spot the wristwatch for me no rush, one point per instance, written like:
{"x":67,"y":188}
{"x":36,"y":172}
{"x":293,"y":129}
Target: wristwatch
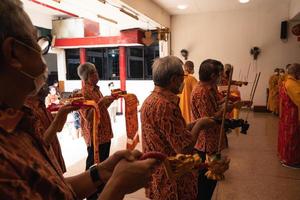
{"x":95,"y":174}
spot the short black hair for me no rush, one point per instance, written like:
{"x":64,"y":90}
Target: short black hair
{"x":209,"y":67}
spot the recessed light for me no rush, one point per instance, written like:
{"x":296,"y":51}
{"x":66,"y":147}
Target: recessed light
{"x":244,"y":1}
{"x":182,"y":7}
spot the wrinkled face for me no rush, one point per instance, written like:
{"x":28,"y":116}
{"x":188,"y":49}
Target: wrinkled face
{"x":23,"y":64}
{"x":93,"y":78}
{"x":177,"y":83}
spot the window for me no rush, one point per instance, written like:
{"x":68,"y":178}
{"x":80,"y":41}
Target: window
{"x":72,"y":62}
{"x":135,"y":63}
{"x":106,"y":61}
{"x":140,"y":60}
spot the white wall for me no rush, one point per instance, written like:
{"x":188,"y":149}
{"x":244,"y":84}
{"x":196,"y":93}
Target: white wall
{"x":228,"y":37}
{"x":294,"y":8}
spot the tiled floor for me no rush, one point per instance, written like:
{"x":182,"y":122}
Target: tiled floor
{"x":255,"y":172}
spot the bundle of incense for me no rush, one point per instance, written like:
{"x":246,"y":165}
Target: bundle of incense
{"x":176,"y":166}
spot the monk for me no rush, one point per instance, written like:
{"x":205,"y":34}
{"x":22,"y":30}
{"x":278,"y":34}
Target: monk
{"x":273,"y":104}
{"x":165,"y":130}
{"x":185,"y":97}
{"x":289,"y":119}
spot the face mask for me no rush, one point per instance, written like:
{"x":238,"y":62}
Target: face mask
{"x":38,"y":81}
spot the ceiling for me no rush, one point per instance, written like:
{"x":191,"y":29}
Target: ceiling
{"x":90,"y":9}
{"x":198,"y":6}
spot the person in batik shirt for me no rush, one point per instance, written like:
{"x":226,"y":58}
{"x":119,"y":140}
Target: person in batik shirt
{"x":165,"y":130}
{"x":206,"y":103}
{"x":90,"y":91}
{"x":28,"y":170}
{"x":43,"y":121}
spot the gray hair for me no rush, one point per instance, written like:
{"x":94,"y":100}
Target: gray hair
{"x":164,"y":68}
{"x":294,"y":69}
{"x":14,"y":21}
{"x":85,"y":69}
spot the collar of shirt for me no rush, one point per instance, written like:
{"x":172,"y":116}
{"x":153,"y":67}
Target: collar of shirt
{"x":10,"y":118}
{"x":167,"y":94}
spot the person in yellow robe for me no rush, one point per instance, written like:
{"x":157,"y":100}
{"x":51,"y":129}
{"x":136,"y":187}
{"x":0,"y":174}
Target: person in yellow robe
{"x":273,"y":103}
{"x":185,"y":97}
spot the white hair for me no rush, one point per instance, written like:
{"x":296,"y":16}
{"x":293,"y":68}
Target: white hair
{"x":14,"y":21}
{"x":85,"y":69}
{"x":164,"y":68}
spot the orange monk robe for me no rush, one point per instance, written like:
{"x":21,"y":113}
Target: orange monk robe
{"x":273,"y":100}
{"x":185,"y":97}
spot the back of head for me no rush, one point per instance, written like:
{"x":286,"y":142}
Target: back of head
{"x":189,"y":66}
{"x":85,"y":69}
{"x":208,"y":68}
{"x":164,"y":68}
{"x":14,"y":22}
{"x":294,"y":70}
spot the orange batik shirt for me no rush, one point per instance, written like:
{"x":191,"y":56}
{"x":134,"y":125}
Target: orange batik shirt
{"x":205,"y":104}
{"x":104,"y":130}
{"x":164,"y":130}
{"x":28,"y":170}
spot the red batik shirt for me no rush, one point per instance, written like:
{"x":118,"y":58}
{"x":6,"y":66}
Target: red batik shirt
{"x":105,"y":133}
{"x":164,"y":130}
{"x":205,"y":104}
{"x":28,"y":170}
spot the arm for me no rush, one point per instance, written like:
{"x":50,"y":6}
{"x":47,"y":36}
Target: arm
{"x":83,"y":185}
{"x":58,"y":123}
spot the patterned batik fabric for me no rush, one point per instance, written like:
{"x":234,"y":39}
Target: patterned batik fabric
{"x":28,"y":170}
{"x":164,"y":130}
{"x":205,"y":104}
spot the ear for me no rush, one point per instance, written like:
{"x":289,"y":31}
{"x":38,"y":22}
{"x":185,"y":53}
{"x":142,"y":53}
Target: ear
{"x":10,"y":53}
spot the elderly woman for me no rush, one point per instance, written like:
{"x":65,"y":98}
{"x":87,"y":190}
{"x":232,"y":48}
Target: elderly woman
{"x":289,"y":120}
{"x":27,"y":169}
{"x":165,"y":130}
{"x":90,"y":91}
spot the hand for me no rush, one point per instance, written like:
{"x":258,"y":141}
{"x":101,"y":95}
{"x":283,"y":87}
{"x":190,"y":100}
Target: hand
{"x":107,"y":167}
{"x":61,"y":117}
{"x":131,"y":176}
{"x":206,"y":122}
{"x":107,"y":100}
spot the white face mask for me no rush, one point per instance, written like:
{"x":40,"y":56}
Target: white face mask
{"x":38,"y":81}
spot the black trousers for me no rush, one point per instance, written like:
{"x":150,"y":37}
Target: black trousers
{"x":103,"y":155}
{"x":206,"y":186}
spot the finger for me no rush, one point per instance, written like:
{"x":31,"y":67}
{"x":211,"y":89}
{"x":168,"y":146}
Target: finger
{"x":149,"y":163}
{"x":124,"y":154}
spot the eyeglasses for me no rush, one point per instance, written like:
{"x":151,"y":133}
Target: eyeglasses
{"x":44,"y":43}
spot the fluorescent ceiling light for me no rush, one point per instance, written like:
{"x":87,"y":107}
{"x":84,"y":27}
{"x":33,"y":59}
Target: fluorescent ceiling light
{"x":182,"y":7}
{"x":244,"y":1}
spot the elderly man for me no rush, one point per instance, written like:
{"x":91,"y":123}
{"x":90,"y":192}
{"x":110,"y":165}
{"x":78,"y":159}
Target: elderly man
{"x":164,"y":130}
{"x":205,"y":103}
{"x":185,"y":96}
{"x":90,"y":91}
{"x":27,"y":170}
{"x":289,"y":120}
